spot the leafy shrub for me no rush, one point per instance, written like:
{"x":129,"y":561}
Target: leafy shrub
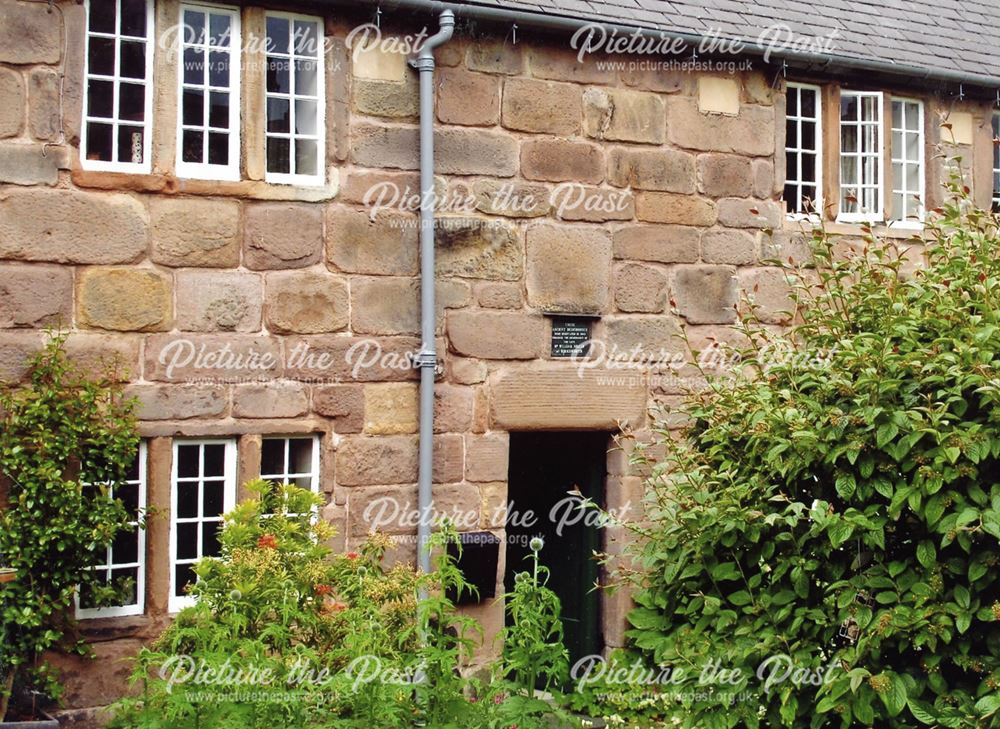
{"x":845,"y":516}
{"x":61,"y":431}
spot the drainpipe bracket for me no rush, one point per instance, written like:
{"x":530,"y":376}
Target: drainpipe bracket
{"x":422,"y":63}
{"x":425,"y":358}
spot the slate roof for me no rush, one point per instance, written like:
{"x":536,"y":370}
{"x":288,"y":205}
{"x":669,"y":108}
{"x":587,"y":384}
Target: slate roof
{"x":944,"y":39}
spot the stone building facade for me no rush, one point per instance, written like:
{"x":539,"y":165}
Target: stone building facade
{"x":279,"y":316}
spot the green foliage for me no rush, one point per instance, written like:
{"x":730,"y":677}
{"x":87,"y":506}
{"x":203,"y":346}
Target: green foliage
{"x":58,"y":433}
{"x":845,"y":515}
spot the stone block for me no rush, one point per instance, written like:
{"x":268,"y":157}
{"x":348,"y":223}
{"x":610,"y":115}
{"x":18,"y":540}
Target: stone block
{"x":124,"y":299}
{"x":718,"y":95}
{"x":35,"y":296}
{"x":13,"y":102}
{"x":657,"y":243}
{"x":380,"y":146}
{"x":656,"y":340}
{"x":467,"y":371}
{"x":197,"y":232}
{"x":470,"y":99}
{"x":344,"y":358}
{"x":765,"y":182}
{"x":29,"y":164}
{"x":345,"y":404}
{"x":561,"y":160}
{"x":667,"y":207}
{"x":209,"y":301}
{"x":211,"y":357}
{"x":452,"y":408}
{"x":372,"y":60}
{"x":737,"y":247}
{"x":560,"y":63}
{"x":475,"y":152}
{"x":751,"y":132}
{"x":29,"y":33}
{"x":306,"y":302}
{"x":495,"y":55}
{"x":646,"y":169}
{"x":43,"y":104}
{"x":511,"y":199}
{"x":771,"y":293}
{"x":640,"y":288}
{"x":477,"y":248}
{"x":376,"y":460}
{"x":568,"y":269}
{"x":723,"y":175}
{"x":77,"y":227}
{"x":271,"y":400}
{"x":495,"y":334}
{"x":391,"y":408}
{"x":391,"y":99}
{"x":486,"y":457}
{"x":746,"y":213}
{"x":499,"y":295}
{"x":624,"y":115}
{"x":282,"y":235}
{"x":573,"y":201}
{"x":385,"y":305}
{"x":542,"y":107}
{"x":178,"y":401}
{"x":706,"y":294}
{"x":387,"y":245}
{"x":16,"y":349}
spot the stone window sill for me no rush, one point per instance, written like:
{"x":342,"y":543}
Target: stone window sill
{"x":896,"y":232}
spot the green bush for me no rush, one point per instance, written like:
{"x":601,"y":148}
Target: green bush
{"x":63,"y":430}
{"x":841,"y":507}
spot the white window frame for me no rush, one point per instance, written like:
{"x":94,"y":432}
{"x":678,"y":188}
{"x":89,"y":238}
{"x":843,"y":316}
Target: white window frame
{"x":139,"y":606}
{"x":899,"y":157}
{"x":878,"y":215}
{"x":996,"y":161}
{"x":175,"y":602}
{"x":147,"y":123}
{"x":286,"y":475}
{"x":291,"y":178}
{"x":205,"y":170}
{"x":798,"y":150}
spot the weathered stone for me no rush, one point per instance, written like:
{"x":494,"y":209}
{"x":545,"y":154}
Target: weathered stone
{"x":656,"y":340}
{"x":495,"y":334}
{"x":751,"y":132}
{"x":770,"y":292}
{"x":195,"y":232}
{"x":392,"y":99}
{"x":282,"y":235}
{"x":499,"y":295}
{"x":209,"y":301}
{"x":368,"y":187}
{"x":667,"y":207}
{"x":306,"y":302}
{"x":511,"y":199}
{"x":719,"y":95}
{"x":343,"y":358}
{"x":728,"y":246}
{"x":124,"y":299}
{"x":786,"y":247}
{"x":35,"y":296}
{"x":602,"y":400}
{"x":765,"y":182}
{"x":741,"y":213}
{"x":646,"y":169}
{"x":29,"y":164}
{"x":706,"y":294}
{"x":270,"y":400}
{"x":477,"y":248}
{"x":391,"y":408}
{"x":29,"y":33}
{"x":495,"y":55}
{"x":386,"y":245}
{"x":449,"y":465}
{"x":542,"y":106}
{"x":77,"y":227}
{"x":103,"y":352}
{"x":757,"y":89}
{"x":178,"y":401}
{"x":467,"y":371}
{"x":475,"y":152}
{"x":560,"y":160}
{"x":345,"y":404}
{"x":207,"y":357}
{"x":624,"y":115}
{"x":370,"y":461}
{"x":486,"y":457}
{"x":650,"y":78}
{"x":640,"y":288}
{"x":385,"y":305}
{"x":658,"y":243}
{"x":568,"y":269}
{"x":378,"y":61}
{"x":16,"y":349}
{"x":12,"y":103}
{"x":573,"y":201}
{"x":43,"y":104}
{"x":381,"y":146}
{"x":561,"y":64}
{"x":452,"y":409}
{"x":471,"y":99}
{"x":722,"y":175}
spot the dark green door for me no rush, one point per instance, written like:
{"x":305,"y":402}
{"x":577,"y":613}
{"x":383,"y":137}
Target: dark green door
{"x":544,"y":467}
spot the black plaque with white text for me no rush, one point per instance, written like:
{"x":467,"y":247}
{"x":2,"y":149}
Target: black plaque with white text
{"x":570,"y":336}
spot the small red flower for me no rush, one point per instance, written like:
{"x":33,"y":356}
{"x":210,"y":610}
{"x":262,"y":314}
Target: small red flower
{"x":352,"y":555}
{"x":338,"y":607}
{"x":267,"y":541}
{"x":322,"y":589}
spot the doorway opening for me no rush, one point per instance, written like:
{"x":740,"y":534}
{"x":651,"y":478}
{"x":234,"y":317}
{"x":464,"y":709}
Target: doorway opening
{"x":544,"y":468}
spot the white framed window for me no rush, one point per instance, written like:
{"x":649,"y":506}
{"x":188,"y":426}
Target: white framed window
{"x":117,"y":92}
{"x":862,"y":194}
{"x":996,"y":161}
{"x":208,"y":78}
{"x":123,"y":562}
{"x":203,"y":489}
{"x":293,"y":459}
{"x":907,"y":162}
{"x":803,"y":150}
{"x":294,"y":100}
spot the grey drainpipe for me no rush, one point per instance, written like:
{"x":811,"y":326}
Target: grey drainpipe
{"x":827,"y":62}
{"x":427,"y":358}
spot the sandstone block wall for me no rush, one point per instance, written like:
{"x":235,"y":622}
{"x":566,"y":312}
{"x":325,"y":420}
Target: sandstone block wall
{"x":649,"y":200}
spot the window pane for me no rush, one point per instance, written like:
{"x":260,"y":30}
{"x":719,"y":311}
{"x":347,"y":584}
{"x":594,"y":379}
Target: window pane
{"x":129,"y":496}
{"x":912,"y":178}
{"x":808,"y":135}
{"x":277,"y":35}
{"x":188,"y":459}
{"x":130,"y":144}
{"x":305,"y":78}
{"x":278,"y":115}
{"x":131,"y":102}
{"x":272,"y":456}
{"x":102,"y":17}
{"x":215,"y":460}
{"x":126,"y":577}
{"x":101,"y":56}
{"x":808,"y":166}
{"x":187,"y":500}
{"x":305,"y":156}
{"x":792,"y":133}
{"x":278,"y":77}
{"x":848,"y":138}
{"x":218,"y":110}
{"x":126,"y":547}
{"x":848,"y":108}
{"x":194,"y":26}
{"x":913,"y":147}
{"x":897,"y":114}
{"x":220,"y":27}
{"x":183,"y":575}
{"x":101,"y":99}
{"x":300,"y":454}
{"x":193,"y":146}
{"x":134,"y":18}
{"x":99,"y":141}
{"x":869,"y":108}
{"x":210,"y":546}
{"x":194,"y":107}
{"x":133,"y":59}
{"x":913,"y":117}
{"x":278,"y":155}
{"x":218,"y":148}
{"x":848,"y":170}
{"x":194,"y":66}
{"x":307,"y":38}
{"x":305,"y":117}
{"x":214,"y":495}
{"x":187,"y":540}
{"x":218,"y":68}
{"x":808,"y":97}
{"x":792,"y":108}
